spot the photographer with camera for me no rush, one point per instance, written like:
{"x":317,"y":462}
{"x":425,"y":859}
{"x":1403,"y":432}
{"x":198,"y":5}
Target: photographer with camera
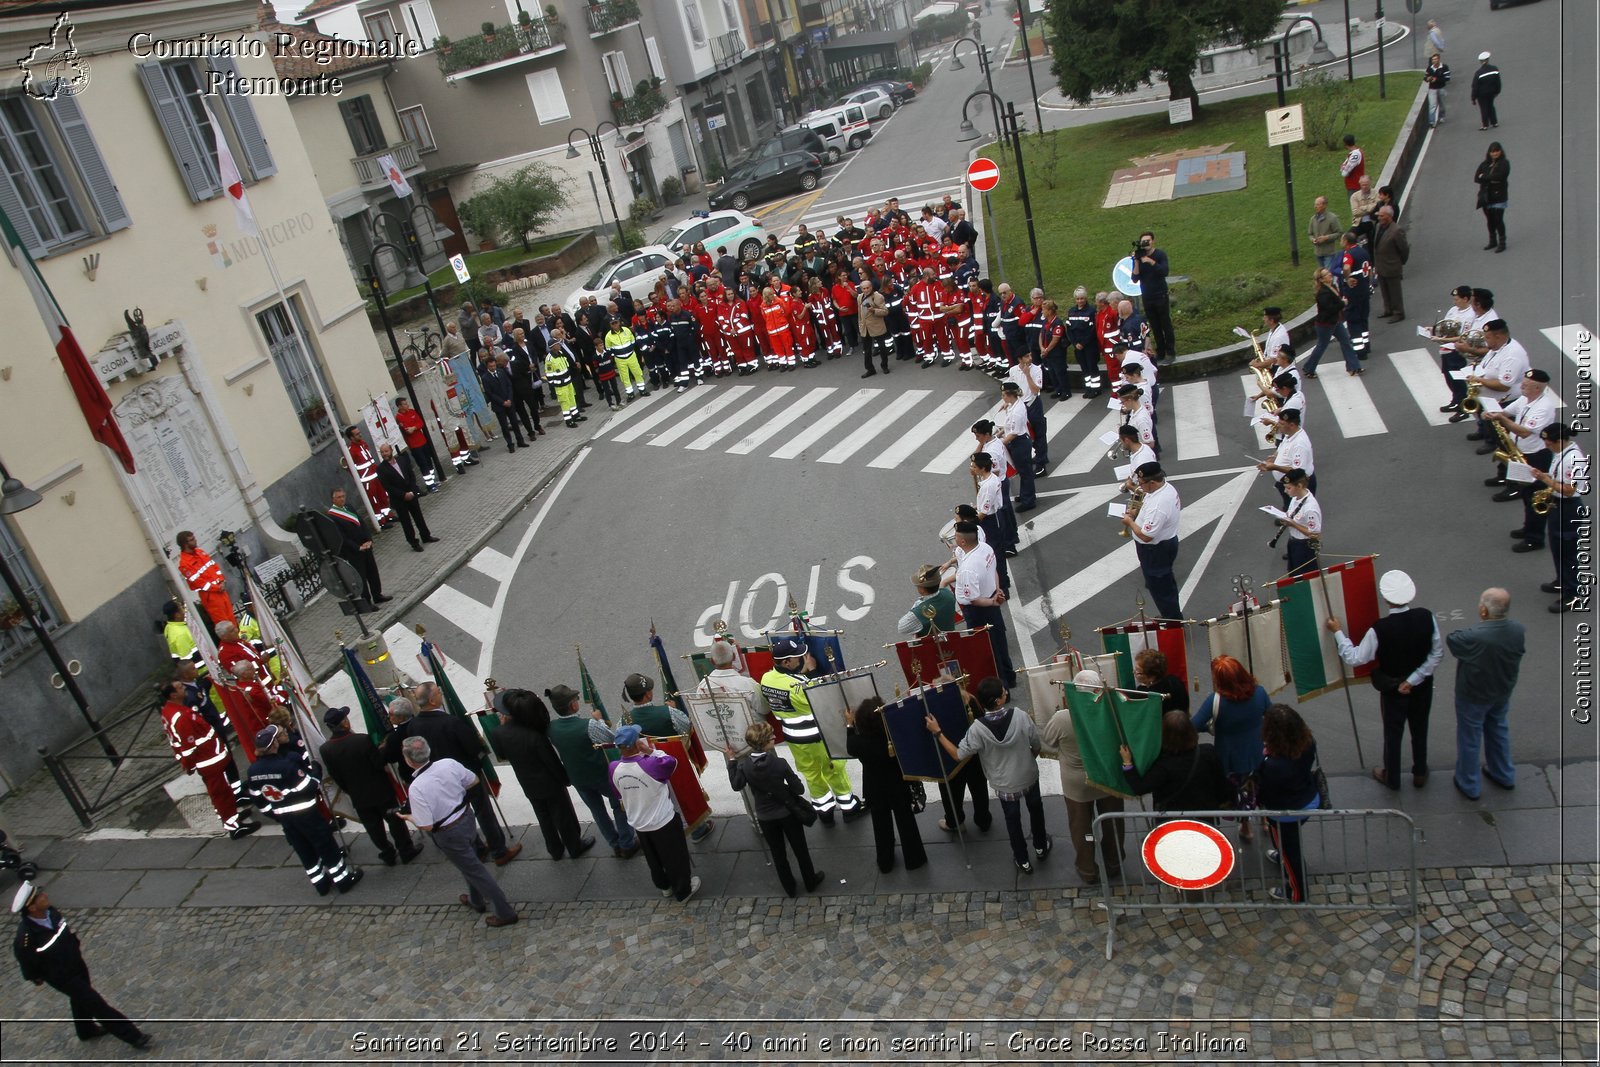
{"x":1150,"y":271}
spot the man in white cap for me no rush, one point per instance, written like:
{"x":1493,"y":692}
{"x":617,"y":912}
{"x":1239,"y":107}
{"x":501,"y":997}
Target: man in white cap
{"x":1485,"y":87}
{"x":1084,"y":799}
{"x":48,"y":952}
{"x":1407,"y":647}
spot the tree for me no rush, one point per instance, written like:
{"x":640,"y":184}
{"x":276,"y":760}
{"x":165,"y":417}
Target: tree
{"x":1114,"y":46}
{"x":512,"y":208}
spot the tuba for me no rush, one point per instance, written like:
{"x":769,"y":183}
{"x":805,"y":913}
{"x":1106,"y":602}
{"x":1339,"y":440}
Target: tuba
{"x":1445,"y":330}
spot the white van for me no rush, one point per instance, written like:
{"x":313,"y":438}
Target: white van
{"x":850,"y":122}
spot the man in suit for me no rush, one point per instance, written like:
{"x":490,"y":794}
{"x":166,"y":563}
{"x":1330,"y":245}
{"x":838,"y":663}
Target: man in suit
{"x":1390,"y":250}
{"x":399,"y":479}
{"x":454,"y":738}
{"x":356,"y":549}
{"x":524,"y":383}
{"x":355,"y":764}
{"x":962,"y":232}
{"x":728,"y":268}
{"x":501,"y":390}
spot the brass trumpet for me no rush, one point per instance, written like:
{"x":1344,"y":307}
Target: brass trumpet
{"x":1543,"y":500}
{"x":1135,"y":502}
{"x":1470,"y":404}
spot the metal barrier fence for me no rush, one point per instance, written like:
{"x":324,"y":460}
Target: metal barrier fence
{"x":1353,"y":860}
{"x":94,"y":782}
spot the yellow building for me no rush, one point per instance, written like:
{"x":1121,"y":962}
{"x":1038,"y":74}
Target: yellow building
{"x":108,"y":171}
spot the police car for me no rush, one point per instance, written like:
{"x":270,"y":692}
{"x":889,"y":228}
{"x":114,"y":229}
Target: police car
{"x":739,"y":233}
{"x":637,"y":271}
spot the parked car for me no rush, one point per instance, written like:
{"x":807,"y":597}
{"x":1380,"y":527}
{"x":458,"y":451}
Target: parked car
{"x":875,"y":102}
{"x":793,"y":139}
{"x":831,"y":130}
{"x":637,"y":271}
{"x":741,"y":234}
{"x":899,"y":89}
{"x":765,"y":178}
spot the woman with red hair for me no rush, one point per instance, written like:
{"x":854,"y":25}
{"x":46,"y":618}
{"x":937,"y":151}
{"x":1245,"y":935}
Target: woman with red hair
{"x":1233,"y":715}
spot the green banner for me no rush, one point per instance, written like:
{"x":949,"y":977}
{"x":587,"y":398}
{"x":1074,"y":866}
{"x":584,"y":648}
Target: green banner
{"x":1104,"y":720}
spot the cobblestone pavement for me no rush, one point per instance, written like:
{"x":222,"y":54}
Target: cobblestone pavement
{"x":1508,"y":974}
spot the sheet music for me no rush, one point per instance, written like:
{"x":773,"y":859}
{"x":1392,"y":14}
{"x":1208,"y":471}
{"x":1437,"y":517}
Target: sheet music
{"x":1122,"y":472}
{"x":1519,"y":472}
{"x":1110,"y":437}
{"x":1268,"y":509}
{"x":1116,"y":510}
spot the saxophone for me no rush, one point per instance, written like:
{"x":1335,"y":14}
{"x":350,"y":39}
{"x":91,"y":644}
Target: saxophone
{"x":1543,"y":500}
{"x":1508,"y":452}
{"x":1263,"y":378}
{"x":1135,"y":502}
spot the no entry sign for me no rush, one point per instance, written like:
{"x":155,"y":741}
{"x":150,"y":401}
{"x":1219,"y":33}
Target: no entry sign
{"x":1188,"y":854}
{"x":983,"y":174}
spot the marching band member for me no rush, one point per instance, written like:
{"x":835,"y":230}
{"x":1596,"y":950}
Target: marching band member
{"x":1133,"y":414}
{"x":1155,"y":532}
{"x":1135,"y":372}
{"x":1504,"y":363}
{"x":1139,"y":453}
{"x":1567,"y":480}
{"x":1522,"y":420}
{"x":989,"y":505}
{"x":1275,"y":337}
{"x":1029,"y":380}
{"x":1304,"y":522}
{"x":1289,"y":397}
{"x":977,"y":589}
{"x":1450,"y":358}
{"x":984,"y":431}
{"x":1294,"y":453}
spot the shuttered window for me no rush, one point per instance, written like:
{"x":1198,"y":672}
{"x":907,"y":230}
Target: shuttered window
{"x":549,"y":98}
{"x":420,"y":26}
{"x":55,"y":186}
{"x":361,"y":119}
{"x":16,"y":636}
{"x":174,"y":89}
{"x":414,"y":123}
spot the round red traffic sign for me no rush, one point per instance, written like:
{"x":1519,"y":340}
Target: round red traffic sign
{"x":983,"y":174}
{"x":1187,"y":854}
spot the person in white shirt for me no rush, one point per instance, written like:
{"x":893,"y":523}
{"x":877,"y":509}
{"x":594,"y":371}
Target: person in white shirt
{"x":978,"y":591}
{"x":725,"y":682}
{"x":1498,"y":372}
{"x":1304,"y":523}
{"x":1275,"y":337}
{"x":1129,"y":397}
{"x":1450,"y":359}
{"x":1155,"y":532}
{"x":1290,"y":397}
{"x":1138,"y":452}
{"x":1568,"y":518}
{"x":1522,"y":420}
{"x":1294,"y":453}
{"x":990,"y":502}
{"x":984,"y":432}
{"x":933,"y":225}
{"x":1019,"y":443}
{"x":1028,"y":376}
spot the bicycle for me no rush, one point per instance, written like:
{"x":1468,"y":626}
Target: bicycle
{"x":428,"y":348}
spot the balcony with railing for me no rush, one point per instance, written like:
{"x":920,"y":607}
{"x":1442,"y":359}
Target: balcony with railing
{"x":608,"y":16}
{"x":500,"y":47}
{"x":646,"y":102}
{"x":370,"y":173}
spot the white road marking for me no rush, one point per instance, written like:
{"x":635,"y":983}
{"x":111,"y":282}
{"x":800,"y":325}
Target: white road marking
{"x":1089,"y":452}
{"x":879,"y":422}
{"x":825,"y":425}
{"x":1576,"y":342}
{"x":725,"y":397}
{"x":740,"y":417}
{"x":1252,"y":386}
{"x":956,"y":454}
{"x":461,"y":611}
{"x":930,"y":424}
{"x":1351,"y":404}
{"x":1194,"y":420}
{"x":665,"y":412}
{"x":779,"y":423}
{"x":1085,"y":501}
{"x":628,"y":413}
{"x":1422,"y":378}
{"x":489,"y":561}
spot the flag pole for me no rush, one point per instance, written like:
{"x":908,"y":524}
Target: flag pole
{"x":1344,"y":678}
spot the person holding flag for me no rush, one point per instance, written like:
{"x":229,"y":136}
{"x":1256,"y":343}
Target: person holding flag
{"x":453,"y":737}
{"x":657,"y":721}
{"x":784,"y":688}
{"x":579,"y":749}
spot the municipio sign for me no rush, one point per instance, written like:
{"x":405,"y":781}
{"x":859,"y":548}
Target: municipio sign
{"x":1188,"y":854}
{"x":983,"y":174}
{"x":1285,"y":125}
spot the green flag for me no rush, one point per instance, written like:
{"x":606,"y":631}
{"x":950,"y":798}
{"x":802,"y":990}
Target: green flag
{"x":701,"y":662}
{"x":1103,"y":720}
{"x":453,"y":705}
{"x":588,"y":690}
{"x":372,"y":709}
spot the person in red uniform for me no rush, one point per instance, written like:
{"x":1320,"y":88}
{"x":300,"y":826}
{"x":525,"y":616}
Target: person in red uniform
{"x":978,"y":301}
{"x":1108,"y":328}
{"x":846,"y":308}
{"x":202,"y":752}
{"x":805,"y":334}
{"x":825,"y":318}
{"x":366,"y":472}
{"x":249,"y":704}
{"x":206,"y":579}
{"x":415,"y":434}
{"x":780,"y":343}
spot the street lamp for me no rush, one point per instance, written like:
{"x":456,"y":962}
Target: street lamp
{"x":1383,"y":92}
{"x":988,"y":80}
{"x":414,"y":277}
{"x":599,"y":153}
{"x":15,"y":497}
{"x":1280,"y":70}
{"x":408,"y":234}
{"x":969,"y":133}
{"x":1027,"y":55}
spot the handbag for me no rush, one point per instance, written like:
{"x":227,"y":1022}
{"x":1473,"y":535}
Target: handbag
{"x":792,"y":802}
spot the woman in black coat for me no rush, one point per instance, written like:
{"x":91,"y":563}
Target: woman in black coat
{"x":523,"y":741}
{"x":769,"y":778}
{"x":1494,"y":192}
{"x":1186,"y":776}
{"x":1286,"y":781}
{"x":887,"y":793}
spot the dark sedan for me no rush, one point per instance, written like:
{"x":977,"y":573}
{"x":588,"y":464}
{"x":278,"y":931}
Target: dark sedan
{"x":765,"y":178}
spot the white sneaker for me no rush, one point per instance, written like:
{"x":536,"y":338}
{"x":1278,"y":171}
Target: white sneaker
{"x":694,"y":887}
{"x":667,"y":892}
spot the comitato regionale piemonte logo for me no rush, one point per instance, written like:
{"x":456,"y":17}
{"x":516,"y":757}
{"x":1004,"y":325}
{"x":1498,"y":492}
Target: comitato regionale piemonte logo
{"x":54,"y":68}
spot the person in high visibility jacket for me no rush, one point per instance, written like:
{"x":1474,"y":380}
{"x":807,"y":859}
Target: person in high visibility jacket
{"x":558,"y":375}
{"x":198,"y":748}
{"x":205,"y":577}
{"x":780,"y":343}
{"x":622,"y":347}
{"x":826,"y":778}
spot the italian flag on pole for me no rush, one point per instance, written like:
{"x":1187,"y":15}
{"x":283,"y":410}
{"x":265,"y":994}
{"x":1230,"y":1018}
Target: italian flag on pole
{"x":1347,"y":591}
{"x":1128,"y":639}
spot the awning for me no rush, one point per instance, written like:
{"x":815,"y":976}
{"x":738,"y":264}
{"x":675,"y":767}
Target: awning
{"x":860,"y":43}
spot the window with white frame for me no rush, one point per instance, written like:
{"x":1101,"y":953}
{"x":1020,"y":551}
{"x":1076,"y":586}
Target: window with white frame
{"x":174,"y":88}
{"x":616,"y":68}
{"x":380,"y":27}
{"x":296,"y":367}
{"x":418,"y":23}
{"x":54,"y":184}
{"x":653,"y":52}
{"x":414,"y":124}
{"x":549,"y":98}
{"x":691,"y":16}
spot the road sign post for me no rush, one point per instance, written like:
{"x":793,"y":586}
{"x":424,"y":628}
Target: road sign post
{"x":983,"y":174}
{"x":1286,"y":124}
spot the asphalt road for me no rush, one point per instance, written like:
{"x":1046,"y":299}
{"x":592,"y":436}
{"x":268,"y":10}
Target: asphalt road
{"x":724,"y":502}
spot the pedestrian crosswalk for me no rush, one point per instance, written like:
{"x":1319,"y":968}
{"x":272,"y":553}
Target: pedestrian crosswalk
{"x":927,"y":429}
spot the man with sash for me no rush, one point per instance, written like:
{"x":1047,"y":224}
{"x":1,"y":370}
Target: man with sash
{"x":357,"y":547}
{"x":784,"y":687}
{"x":662,"y":723}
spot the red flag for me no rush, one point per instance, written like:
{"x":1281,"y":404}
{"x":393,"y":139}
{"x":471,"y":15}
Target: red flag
{"x":92,"y":398}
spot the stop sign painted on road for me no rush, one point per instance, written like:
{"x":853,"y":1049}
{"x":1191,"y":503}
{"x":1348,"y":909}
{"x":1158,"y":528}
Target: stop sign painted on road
{"x":983,"y":174}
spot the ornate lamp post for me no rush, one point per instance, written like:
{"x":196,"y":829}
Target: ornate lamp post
{"x":598,"y":151}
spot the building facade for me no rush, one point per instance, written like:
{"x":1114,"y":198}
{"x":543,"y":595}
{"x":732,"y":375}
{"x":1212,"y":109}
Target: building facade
{"x":112,"y":180}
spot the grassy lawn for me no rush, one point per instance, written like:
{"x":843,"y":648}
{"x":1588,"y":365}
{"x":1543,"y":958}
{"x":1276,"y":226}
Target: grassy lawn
{"x":1234,"y":246}
{"x":481,"y":262}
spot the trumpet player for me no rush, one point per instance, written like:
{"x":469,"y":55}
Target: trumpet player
{"x":1293,"y":453}
{"x":1450,"y":357}
{"x":1275,"y":335}
{"x":1133,"y":414}
{"x":1289,"y":398}
{"x":1566,"y":481}
{"x":1504,"y":363}
{"x":1303,"y":521}
{"x":1521,"y":421}
{"x":1138,"y":452}
{"x":1155,"y":533}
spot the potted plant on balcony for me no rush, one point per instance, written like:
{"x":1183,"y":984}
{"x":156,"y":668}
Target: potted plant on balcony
{"x":523,"y":18}
{"x":314,"y":411}
{"x":551,"y":14}
{"x":12,"y":614}
{"x":488,"y":32}
{"x":442,"y":44}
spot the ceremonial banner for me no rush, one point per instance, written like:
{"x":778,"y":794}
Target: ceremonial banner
{"x":452,"y":704}
{"x":670,"y":694}
{"x":1046,"y":680}
{"x":372,"y":708}
{"x":970,"y":649}
{"x":1348,"y":591}
{"x":1132,"y":637}
{"x":588,"y":692}
{"x":378,"y":416}
{"x":1103,"y":720}
{"x":693,"y":804}
{"x":294,"y":678}
{"x":758,"y":661}
{"x":823,"y":645}
{"x":722,"y":717}
{"x":1264,"y":656}
{"x":921,"y":756}
{"x":830,"y":696}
